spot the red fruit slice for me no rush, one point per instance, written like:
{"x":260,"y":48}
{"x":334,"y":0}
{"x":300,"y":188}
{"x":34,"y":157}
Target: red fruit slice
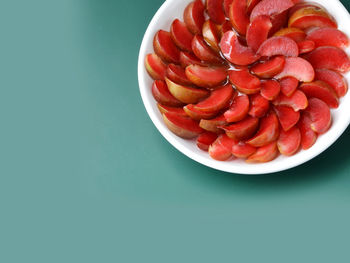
{"x":287,"y":117}
{"x":162,"y":95}
{"x":238,"y":109}
{"x":251,"y":4}
{"x":292,"y":32}
{"x":227,"y":4}
{"x":177,"y":75}
{"x":270,"y":7}
{"x":308,"y":136}
{"x":217,"y":100}
{"x":211,"y":35}
{"x":194,"y":16}
{"x":297,"y":101}
{"x":329,"y":58}
{"x":258,"y":31}
{"x":238,"y":16}
{"x":244,"y":81}
{"x":306,"y":46}
{"x":204,"y":52}
{"x":269,"y":68}
{"x":220,"y":150}
{"x":182,"y":126}
{"x":242,"y":130}
{"x":270,"y":89}
{"x":259,"y":106}
{"x":196,"y":114}
{"x":243,"y":150}
{"x":225,"y":27}
{"x":319,"y":114}
{"x":181,"y":36}
{"x":278,"y":21}
{"x":311,"y":17}
{"x":322,"y":91}
{"x":302,"y":4}
{"x":289,"y":85}
{"x":334,"y":79}
{"x":165,"y":48}
{"x":215,"y":10}
{"x":268,"y":131}
{"x":207,"y":77}
{"x":176,"y":110}
{"x":187,"y":59}
{"x":185,"y":94}
{"x":235,"y":52}
{"x":298,"y":68}
{"x":155,"y":66}
{"x":264,"y":154}
{"x":279,"y":46}
{"x":289,"y":141}
{"x":205,"y":140}
{"x":213,"y":124}
{"x":328,"y":36}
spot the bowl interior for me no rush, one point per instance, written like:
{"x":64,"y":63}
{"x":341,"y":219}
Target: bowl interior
{"x":172,"y":9}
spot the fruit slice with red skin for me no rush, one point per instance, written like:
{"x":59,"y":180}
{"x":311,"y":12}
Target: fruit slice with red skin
{"x":334,"y":79}
{"x":297,"y":101}
{"x":289,"y":141}
{"x":238,"y":16}
{"x":194,"y":16}
{"x":165,"y":48}
{"x":218,"y":99}
{"x":319,"y":114}
{"x":303,"y":4}
{"x":177,"y":74}
{"x":251,"y":4}
{"x":225,"y":27}
{"x":186,"y":94}
{"x":278,"y":21}
{"x":311,"y":17}
{"x":181,"y":36}
{"x":289,"y":85}
{"x":213,"y":124}
{"x":264,"y":154}
{"x":215,"y":10}
{"x":196,"y":114}
{"x":306,"y":46}
{"x":238,"y":109}
{"x":206,"y":77}
{"x":211,"y":35}
{"x":204,"y":52}
{"x":268,"y":131}
{"x":292,"y":32}
{"x":279,"y":46}
{"x":227,"y":4}
{"x":205,"y":140}
{"x":243,"y":150}
{"x":298,"y":68}
{"x":187,"y":59}
{"x":269,"y":68}
{"x":259,"y":106}
{"x":270,"y":7}
{"x":235,"y":52}
{"x":322,"y":91}
{"x":258,"y":31}
{"x":329,"y":58}
{"x":244,"y":81}
{"x":270,"y":89}
{"x":220,"y":150}
{"x":155,"y":67}
{"x":182,"y":126}
{"x":308,"y":136}
{"x":176,"y":110}
{"x":162,"y":95}
{"x":243,"y":129}
{"x":287,"y":116}
{"x":328,"y":36}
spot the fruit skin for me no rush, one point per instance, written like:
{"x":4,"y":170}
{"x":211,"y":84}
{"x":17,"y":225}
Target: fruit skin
{"x":177,"y":74}
{"x":322,"y":91}
{"x":311,"y":17}
{"x":205,"y":139}
{"x":181,"y":36}
{"x":329,"y":58}
{"x":176,"y":110}
{"x":243,"y":150}
{"x":215,"y":10}
{"x":206,"y":77}
{"x":220,"y":150}
{"x":258,"y":31}
{"x":334,"y":79}
{"x":292,"y":32}
{"x":297,"y":101}
{"x":298,"y":68}
{"x":328,"y":36}
{"x":238,"y":109}
{"x":251,"y":4}
{"x":270,"y":7}
{"x":155,"y":67}
{"x":213,"y":124}
{"x":238,"y":16}
{"x":227,"y":4}
{"x":186,"y":94}
{"x":187,"y":59}
{"x":244,"y":81}
{"x":306,"y":46}
{"x":211,"y":35}
{"x":243,"y":129}
{"x":235,"y":52}
{"x":196,"y":114}
{"x":289,"y":85}
{"x":204,"y":52}
{"x":162,"y":95}
{"x":182,"y":126}
{"x":287,"y":117}
{"x":320,"y":115}
{"x":270,"y":89}
{"x":264,"y":154}
{"x":269,"y":68}
{"x":259,"y":106}
{"x":279,"y":46}
{"x":194,"y":16}
{"x":165,"y":48}
{"x":289,"y":141}
{"x":308,"y":136}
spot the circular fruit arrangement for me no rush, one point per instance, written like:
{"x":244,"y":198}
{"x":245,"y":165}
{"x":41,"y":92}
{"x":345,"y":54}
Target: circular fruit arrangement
{"x":249,"y":79}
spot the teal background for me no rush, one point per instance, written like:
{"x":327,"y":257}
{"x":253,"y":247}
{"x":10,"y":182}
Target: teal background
{"x":86,"y":177}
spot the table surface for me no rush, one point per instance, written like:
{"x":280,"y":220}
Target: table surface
{"x":86,"y":177}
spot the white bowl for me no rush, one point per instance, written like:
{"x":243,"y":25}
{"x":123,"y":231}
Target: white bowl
{"x":172,"y":9}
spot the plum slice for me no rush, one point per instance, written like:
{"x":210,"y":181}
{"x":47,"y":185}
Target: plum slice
{"x":308,"y":136}
{"x":289,"y":85}
{"x":244,"y":81}
{"x":213,"y":124}
{"x":215,"y":10}
{"x":196,"y":114}
{"x":270,"y":7}
{"x":205,"y":139}
{"x":211,"y":35}
{"x":221,"y":149}
{"x":279,"y":46}
{"x":258,"y":31}
{"x":162,"y":95}
{"x":182,"y":126}
{"x":238,"y":16}
{"x":227,"y":4}
{"x":270,"y":89}
{"x":243,"y":129}
{"x":298,"y":68}
{"x":311,"y":17}
{"x":176,"y":110}
{"x":187,"y":59}
{"x":319,"y":114}
{"x":194,"y":16}
{"x":294,"y":33}
{"x":243,"y":150}
{"x":269,"y":68}
{"x":328,"y":36}
{"x":289,"y":141}
{"x":251,"y":4}
{"x":297,"y":101}
{"x":322,"y":91}
{"x":204,"y":52}
{"x":177,"y":74}
{"x":334,"y":79}
{"x":264,"y":154}
{"x":238,"y":109}
{"x":287,"y":116}
{"x":155,"y":67}
{"x":181,"y":36}
{"x":165,"y":48}
{"x":306,"y":46}
{"x":259,"y":106}
{"x":206,"y":77}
